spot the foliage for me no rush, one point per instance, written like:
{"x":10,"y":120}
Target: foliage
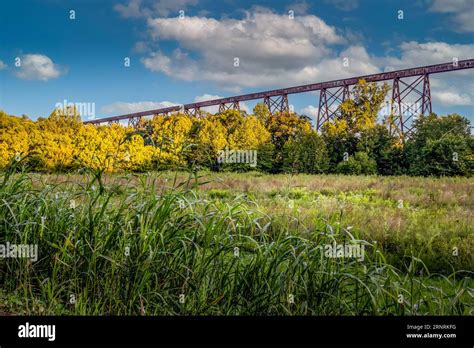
{"x":338,"y":145}
{"x":170,"y":134}
{"x":112,"y":148}
{"x":285,"y":142}
{"x":52,"y":140}
{"x":306,"y":153}
{"x":14,"y":137}
{"x":359,"y":112}
{"x":358,"y":115}
{"x":285,"y":126}
{"x":226,"y":130}
{"x":383,"y":148}
{"x":265,"y":160}
{"x":441,"y":146}
{"x":359,"y":163}
{"x":262,"y":113}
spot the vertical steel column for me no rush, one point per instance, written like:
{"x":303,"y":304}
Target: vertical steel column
{"x":322,"y":109}
{"x":284,"y":106}
{"x":346,"y":94}
{"x":426,"y":103}
{"x":396,"y":117}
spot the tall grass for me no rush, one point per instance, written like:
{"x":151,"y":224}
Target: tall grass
{"x":147,"y":250}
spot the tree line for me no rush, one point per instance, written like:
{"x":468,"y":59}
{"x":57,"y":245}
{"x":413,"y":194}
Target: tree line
{"x":354,"y":143}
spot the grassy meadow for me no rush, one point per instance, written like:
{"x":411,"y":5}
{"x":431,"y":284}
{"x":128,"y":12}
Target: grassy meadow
{"x":206,"y":243}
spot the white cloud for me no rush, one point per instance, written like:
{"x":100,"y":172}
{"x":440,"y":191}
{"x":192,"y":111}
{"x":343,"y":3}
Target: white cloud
{"x":275,"y":51}
{"x":141,"y":47}
{"x":130,"y":10}
{"x":177,"y":65}
{"x":37,"y":67}
{"x":139,"y":8}
{"x":311,"y":111}
{"x":166,"y":7}
{"x":2,"y":65}
{"x":270,"y":49}
{"x":212,"y":109}
{"x":452,"y":98}
{"x":461,"y":13}
{"x":414,"y":53}
{"x":127,"y":108}
{"x":206,"y":97}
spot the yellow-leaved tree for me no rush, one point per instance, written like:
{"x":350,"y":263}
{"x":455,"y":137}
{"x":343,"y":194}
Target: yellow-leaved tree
{"x":170,"y":134}
{"x":112,"y":148}
{"x":359,"y":113}
{"x":52,"y":140}
{"x":249,"y":134}
{"x":357,"y":117}
{"x":229,"y":129}
{"x":14,"y":139}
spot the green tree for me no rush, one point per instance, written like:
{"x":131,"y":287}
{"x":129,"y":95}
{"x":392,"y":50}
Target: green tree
{"x":440,"y":146}
{"x":357,"y":114}
{"x":265,"y":153}
{"x":359,"y":163}
{"x":306,"y":153}
{"x":384,"y":148}
{"x":284,"y":127}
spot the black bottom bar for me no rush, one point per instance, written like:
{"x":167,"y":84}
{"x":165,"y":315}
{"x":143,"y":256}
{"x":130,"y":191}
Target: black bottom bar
{"x":353,"y":331}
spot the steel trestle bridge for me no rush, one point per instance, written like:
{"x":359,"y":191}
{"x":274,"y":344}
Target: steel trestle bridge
{"x":411,"y":83}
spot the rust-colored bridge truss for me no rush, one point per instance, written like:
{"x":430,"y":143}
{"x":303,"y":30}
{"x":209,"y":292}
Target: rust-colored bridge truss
{"x":407,"y":84}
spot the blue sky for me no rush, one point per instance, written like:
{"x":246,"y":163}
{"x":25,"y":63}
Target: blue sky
{"x":177,"y":60}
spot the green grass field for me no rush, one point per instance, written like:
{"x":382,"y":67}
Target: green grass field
{"x":174,"y":243}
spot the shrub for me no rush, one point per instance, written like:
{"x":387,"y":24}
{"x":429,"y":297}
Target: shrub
{"x":441,"y":146}
{"x":306,"y":154}
{"x":359,"y":163}
{"x":384,"y":148}
{"x":265,"y":159}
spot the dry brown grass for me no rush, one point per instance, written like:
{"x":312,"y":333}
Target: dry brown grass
{"x":416,"y":191}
